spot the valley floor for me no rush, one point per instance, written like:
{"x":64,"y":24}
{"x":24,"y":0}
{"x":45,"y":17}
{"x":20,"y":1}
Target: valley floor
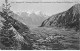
{"x":55,"y":39}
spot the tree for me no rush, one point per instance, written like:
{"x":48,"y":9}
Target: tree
{"x":6,"y":34}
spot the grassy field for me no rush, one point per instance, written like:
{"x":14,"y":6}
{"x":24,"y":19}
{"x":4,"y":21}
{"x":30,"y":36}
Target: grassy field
{"x":55,"y":39}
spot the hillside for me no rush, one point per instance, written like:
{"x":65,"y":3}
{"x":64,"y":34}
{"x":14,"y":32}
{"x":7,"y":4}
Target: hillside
{"x":67,"y":19}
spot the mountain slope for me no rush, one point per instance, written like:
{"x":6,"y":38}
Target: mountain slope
{"x":67,"y":19}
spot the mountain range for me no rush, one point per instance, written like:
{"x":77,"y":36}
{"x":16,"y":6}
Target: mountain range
{"x":32,"y":19}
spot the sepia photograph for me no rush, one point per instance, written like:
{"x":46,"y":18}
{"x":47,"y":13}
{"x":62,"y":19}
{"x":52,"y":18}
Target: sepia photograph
{"x":39,"y":24}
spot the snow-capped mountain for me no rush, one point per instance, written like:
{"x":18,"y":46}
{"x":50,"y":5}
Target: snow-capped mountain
{"x":32,"y":18}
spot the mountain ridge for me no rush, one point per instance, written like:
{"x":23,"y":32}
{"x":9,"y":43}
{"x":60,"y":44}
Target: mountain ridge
{"x":67,"y":19}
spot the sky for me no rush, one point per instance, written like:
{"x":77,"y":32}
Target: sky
{"x":46,"y":8}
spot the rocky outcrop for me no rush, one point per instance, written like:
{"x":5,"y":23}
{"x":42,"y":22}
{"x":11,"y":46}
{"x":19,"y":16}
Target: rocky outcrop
{"x":67,"y":19}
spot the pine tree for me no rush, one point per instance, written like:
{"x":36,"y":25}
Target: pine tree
{"x":6,"y":34}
